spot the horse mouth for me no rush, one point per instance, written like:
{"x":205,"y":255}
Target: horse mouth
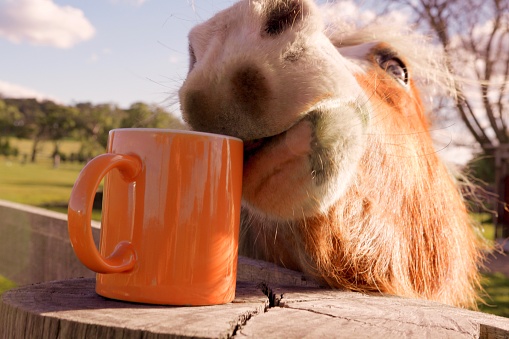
{"x":254,"y":146}
{"x":300,"y":136}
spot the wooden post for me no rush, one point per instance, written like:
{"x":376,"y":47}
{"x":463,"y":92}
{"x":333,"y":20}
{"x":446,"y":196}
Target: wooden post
{"x":71,"y":309}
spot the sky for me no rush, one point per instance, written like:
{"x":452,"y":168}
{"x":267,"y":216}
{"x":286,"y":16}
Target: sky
{"x":119,"y":51}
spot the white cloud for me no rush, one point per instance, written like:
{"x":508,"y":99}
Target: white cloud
{"x":9,"y":90}
{"x":42,"y":22}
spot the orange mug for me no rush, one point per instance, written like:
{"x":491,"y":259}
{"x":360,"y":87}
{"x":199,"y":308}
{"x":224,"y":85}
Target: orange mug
{"x":170,"y":217}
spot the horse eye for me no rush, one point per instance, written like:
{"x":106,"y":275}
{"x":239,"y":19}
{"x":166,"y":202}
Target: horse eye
{"x":192,"y":58}
{"x":396,"y":68}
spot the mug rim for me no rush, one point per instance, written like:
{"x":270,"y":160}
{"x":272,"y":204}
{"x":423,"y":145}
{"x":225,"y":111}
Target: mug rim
{"x":174,"y":131}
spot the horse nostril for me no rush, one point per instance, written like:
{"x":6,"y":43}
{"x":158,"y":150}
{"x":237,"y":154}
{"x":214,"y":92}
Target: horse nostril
{"x":197,"y":110}
{"x":250,"y":88}
{"x":284,"y":15}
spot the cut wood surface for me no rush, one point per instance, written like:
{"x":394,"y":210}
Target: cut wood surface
{"x":72,"y":309}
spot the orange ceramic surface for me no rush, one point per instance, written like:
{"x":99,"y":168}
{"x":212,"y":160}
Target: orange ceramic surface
{"x":170,"y":220}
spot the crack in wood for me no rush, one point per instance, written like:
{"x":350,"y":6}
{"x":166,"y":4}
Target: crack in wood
{"x":242,"y":321}
{"x":274,"y":299}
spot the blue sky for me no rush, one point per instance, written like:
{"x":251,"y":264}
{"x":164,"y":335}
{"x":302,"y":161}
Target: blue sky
{"x":119,"y":51}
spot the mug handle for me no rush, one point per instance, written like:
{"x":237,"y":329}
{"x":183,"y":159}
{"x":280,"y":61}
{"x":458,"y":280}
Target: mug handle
{"x":123,"y":258}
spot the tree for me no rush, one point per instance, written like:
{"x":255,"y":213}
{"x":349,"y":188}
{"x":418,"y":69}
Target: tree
{"x":90,"y":123}
{"x":150,"y":116}
{"x":29,"y":110}
{"x":475,"y":37}
{"x":43,"y":121}
{"x":53,"y":122}
{"x":56,"y":123}
{"x":94,"y":123}
{"x":10,"y":118}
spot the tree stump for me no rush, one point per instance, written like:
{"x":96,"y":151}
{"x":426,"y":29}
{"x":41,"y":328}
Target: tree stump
{"x":72,"y":309}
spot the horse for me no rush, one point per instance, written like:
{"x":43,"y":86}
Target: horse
{"x":341,"y":179}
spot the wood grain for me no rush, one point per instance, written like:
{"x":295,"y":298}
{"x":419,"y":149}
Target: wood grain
{"x":72,"y":309}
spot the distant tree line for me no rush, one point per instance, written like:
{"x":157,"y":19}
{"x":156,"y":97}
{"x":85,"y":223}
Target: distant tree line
{"x":85,"y":122}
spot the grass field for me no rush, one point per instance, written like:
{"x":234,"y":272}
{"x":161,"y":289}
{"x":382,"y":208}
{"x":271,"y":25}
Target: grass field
{"x":497,"y":288}
{"x":42,"y":185}
{"x":37,"y":184}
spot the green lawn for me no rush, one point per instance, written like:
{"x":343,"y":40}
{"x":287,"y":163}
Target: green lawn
{"x":497,"y":287}
{"x":37,"y":184}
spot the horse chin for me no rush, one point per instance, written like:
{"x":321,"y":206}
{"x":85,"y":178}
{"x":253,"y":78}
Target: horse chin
{"x":297,"y":172}
{"x":275,"y":170}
